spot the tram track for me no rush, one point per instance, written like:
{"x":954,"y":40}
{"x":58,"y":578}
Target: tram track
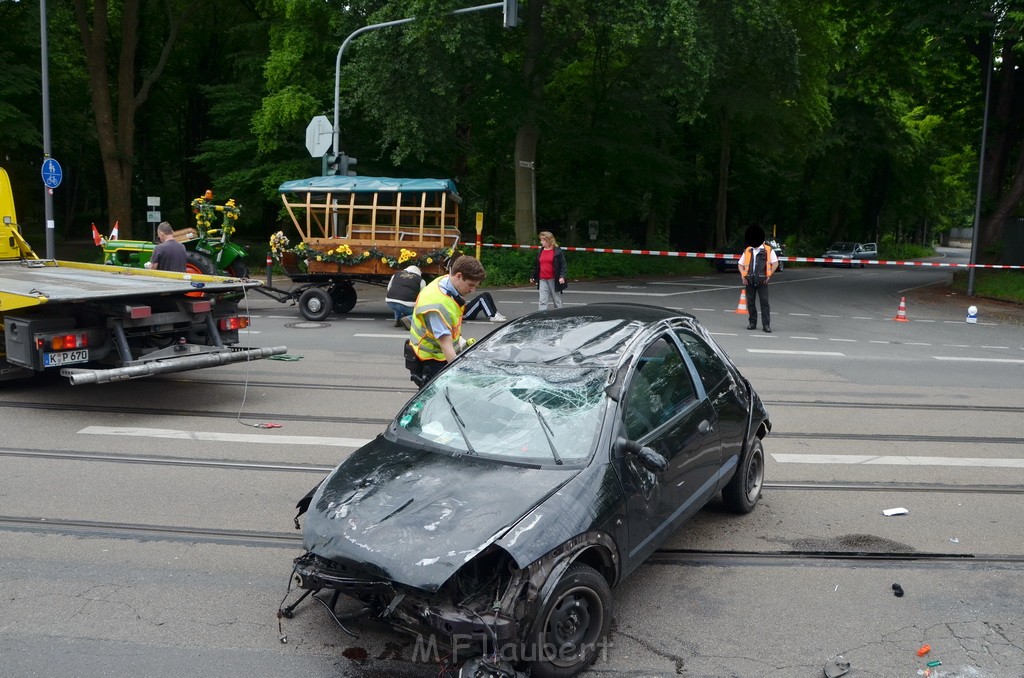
{"x":381,"y":421}
{"x":293,"y":540}
{"x":284,"y":467}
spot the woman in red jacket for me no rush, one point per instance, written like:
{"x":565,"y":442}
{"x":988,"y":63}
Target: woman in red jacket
{"x":550,"y":271}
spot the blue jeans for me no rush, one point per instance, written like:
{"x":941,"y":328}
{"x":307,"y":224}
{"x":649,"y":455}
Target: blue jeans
{"x":400,"y":310}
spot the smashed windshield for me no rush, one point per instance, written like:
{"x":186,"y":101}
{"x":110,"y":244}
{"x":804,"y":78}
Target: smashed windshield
{"x":527,"y":413}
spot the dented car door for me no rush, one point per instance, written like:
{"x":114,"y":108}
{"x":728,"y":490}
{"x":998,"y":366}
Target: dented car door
{"x":664,"y":410}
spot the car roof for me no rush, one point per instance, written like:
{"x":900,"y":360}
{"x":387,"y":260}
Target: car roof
{"x":597,"y":335}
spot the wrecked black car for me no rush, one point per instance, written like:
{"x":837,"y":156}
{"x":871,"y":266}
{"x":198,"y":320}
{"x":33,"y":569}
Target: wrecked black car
{"x":527,"y":479}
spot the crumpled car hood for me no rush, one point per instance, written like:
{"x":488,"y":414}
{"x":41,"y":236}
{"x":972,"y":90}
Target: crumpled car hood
{"x":415,"y":516}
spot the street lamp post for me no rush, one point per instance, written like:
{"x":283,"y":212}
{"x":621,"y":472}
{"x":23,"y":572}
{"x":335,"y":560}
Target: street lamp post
{"x":47,"y":190}
{"x":981,"y":166}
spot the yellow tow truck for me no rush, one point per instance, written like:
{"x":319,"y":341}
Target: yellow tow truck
{"x":97,"y":323}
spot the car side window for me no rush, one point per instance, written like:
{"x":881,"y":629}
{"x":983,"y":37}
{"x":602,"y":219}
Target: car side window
{"x":709,"y":366}
{"x":660,"y":389}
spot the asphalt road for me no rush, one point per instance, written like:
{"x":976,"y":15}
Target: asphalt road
{"x":146,"y":527}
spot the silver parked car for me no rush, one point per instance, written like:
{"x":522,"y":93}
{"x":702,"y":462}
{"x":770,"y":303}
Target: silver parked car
{"x":851,"y":253}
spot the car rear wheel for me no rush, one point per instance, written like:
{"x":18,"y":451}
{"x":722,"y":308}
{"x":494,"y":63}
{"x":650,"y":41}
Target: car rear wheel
{"x":743,"y":491}
{"x":573,"y":625}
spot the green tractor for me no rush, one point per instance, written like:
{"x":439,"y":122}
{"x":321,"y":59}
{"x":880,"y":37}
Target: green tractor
{"x":210,"y":250}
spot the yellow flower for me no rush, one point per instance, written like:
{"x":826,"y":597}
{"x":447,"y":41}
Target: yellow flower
{"x":383,"y":260}
{"x":430,"y":260}
{"x":365,"y":253}
{"x":319,"y":258}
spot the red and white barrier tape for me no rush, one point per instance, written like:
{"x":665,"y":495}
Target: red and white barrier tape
{"x":714,"y":255}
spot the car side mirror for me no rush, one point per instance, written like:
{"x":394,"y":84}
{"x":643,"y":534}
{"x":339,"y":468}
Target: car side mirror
{"x":648,"y":458}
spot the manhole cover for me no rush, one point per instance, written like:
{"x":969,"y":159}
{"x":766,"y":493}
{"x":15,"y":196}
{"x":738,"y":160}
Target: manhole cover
{"x":307,"y":325}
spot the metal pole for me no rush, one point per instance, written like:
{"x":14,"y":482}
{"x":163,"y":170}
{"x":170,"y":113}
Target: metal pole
{"x":44,"y":50}
{"x":372,"y":27}
{"x":981,"y":170}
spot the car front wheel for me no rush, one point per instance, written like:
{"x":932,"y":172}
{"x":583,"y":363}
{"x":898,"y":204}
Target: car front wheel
{"x":574,"y":624}
{"x":743,"y":491}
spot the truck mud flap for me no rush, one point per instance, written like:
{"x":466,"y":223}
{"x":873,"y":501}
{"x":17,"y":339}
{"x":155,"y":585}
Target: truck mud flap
{"x":79,"y":376}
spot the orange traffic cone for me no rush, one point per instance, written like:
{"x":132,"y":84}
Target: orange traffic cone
{"x":901,"y":314}
{"x":742,"y":308}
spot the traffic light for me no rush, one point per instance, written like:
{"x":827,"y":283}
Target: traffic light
{"x":331,"y":164}
{"x":510,"y":10}
{"x":344,"y":164}
{"x":337,"y":164}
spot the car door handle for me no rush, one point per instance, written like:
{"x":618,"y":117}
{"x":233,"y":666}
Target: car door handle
{"x":705,"y":427}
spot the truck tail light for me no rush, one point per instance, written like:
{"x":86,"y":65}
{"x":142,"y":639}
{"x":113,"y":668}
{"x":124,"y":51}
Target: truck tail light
{"x":63,"y":342}
{"x":234,"y":323}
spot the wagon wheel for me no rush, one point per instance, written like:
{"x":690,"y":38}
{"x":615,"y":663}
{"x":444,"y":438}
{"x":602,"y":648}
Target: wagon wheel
{"x":196,"y":263}
{"x":343,"y":297}
{"x":315,"y":304}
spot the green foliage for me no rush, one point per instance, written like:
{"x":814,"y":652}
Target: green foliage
{"x":993,"y":284}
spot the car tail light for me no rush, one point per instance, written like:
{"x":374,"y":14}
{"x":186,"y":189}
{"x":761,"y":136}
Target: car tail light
{"x":63,"y":342}
{"x":234,"y":323}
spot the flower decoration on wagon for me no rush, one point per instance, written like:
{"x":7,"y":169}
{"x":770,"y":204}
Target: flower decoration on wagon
{"x":344,"y":255}
{"x":279,"y":244}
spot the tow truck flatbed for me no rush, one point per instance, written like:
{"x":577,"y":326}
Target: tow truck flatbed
{"x":38,"y":281}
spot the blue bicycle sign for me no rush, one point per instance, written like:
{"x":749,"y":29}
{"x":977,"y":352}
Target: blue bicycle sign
{"x":52,"y":173}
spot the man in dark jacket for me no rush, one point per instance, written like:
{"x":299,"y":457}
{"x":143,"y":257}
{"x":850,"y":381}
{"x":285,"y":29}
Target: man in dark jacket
{"x":402,"y":290}
{"x":757,"y":263}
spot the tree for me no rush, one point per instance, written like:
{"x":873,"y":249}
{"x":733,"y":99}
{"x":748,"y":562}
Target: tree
{"x":117,"y":96}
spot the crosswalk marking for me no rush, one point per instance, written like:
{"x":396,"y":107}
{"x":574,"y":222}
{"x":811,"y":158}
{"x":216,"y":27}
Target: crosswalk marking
{"x":270,"y":438}
{"x":896,"y":460}
{"x":770,"y":350}
{"x":1013,"y":361}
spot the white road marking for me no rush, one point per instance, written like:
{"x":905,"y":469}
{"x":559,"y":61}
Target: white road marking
{"x":248,"y":331}
{"x":282,"y":317}
{"x":173,"y":434}
{"x":995,"y":347}
{"x":862,"y":317}
{"x":802,"y":315}
{"x":852,"y":341}
{"x":830,"y":316}
{"x":980,"y":360}
{"x":771,"y":350}
{"x":895,"y":460}
{"x":918,"y":320}
{"x":724,"y":334}
{"x":956,"y":346}
{"x":877,"y":341}
{"x":710,"y":310}
{"x":916,"y":343}
{"x":814,"y":338}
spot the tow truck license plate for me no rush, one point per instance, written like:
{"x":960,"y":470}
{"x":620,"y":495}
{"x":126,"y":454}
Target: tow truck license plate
{"x":65,"y":358}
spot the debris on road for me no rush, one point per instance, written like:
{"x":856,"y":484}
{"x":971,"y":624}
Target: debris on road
{"x":837,"y":666}
{"x":895,"y":512}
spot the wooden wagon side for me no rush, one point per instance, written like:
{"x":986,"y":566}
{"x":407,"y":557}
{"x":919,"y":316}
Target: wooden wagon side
{"x":371,"y":226}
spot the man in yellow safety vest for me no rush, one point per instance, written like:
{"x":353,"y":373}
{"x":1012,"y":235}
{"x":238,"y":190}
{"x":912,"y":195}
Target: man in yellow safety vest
{"x":437,"y":319}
